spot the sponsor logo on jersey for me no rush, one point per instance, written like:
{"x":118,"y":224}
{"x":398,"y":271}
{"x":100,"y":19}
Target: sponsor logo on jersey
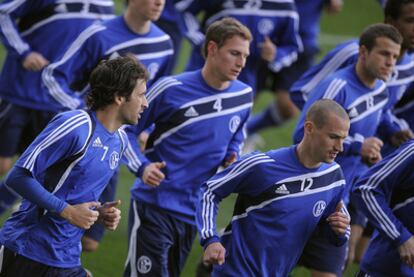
{"x":191,"y":112}
{"x":282,"y":190}
{"x":97,"y":142}
{"x":144,"y":264}
{"x":234,"y":123}
{"x":318,"y":208}
{"x":114,"y":160}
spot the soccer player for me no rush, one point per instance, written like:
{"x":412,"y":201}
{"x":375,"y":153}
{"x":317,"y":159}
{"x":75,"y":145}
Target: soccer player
{"x":385,"y":195}
{"x":360,"y":89}
{"x":34,"y":33}
{"x":63,"y":172}
{"x":283,"y":196}
{"x":131,"y":33}
{"x":199,"y":118}
{"x":283,"y":109}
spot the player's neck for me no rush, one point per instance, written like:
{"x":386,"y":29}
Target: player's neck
{"x":109,"y":119}
{"x":367,"y":79}
{"x":305,"y":155}
{"x":212,"y":78}
{"x":137,"y":24}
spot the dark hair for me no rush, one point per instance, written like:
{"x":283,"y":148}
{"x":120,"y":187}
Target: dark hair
{"x":116,"y":77}
{"x":221,"y":30}
{"x":393,"y":8}
{"x":371,"y":33}
{"x":319,"y":111}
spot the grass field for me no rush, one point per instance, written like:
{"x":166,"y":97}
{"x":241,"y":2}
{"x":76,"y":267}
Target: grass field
{"x":109,"y":260}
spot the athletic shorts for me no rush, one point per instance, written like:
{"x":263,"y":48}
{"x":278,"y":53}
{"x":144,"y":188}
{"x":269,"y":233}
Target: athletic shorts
{"x":321,"y":255}
{"x":159,"y":243}
{"x":19,"y":126}
{"x":283,"y":80}
{"x":14,"y":265}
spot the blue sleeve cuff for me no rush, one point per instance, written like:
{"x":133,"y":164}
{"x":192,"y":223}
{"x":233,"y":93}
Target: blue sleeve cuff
{"x":206,"y":242}
{"x":141,"y":169}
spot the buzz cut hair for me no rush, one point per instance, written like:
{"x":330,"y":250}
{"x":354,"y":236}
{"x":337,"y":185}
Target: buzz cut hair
{"x":320,"y":111}
{"x":226,"y":28}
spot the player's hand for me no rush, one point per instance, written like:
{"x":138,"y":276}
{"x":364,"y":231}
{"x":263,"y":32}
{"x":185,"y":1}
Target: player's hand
{"x":153,"y":175}
{"x":406,"y":251}
{"x":34,"y":62}
{"x":214,"y":254}
{"x":400,"y":137}
{"x":334,"y":6}
{"x":230,"y":159}
{"x":81,"y":215}
{"x":268,"y":49}
{"x":142,"y":139}
{"x":371,"y":150}
{"x":338,"y":220}
{"x":110,"y":215}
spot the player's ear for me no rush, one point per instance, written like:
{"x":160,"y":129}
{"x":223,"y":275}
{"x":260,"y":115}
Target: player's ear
{"x":211,"y":47}
{"x":308,"y":127}
{"x":119,"y":99}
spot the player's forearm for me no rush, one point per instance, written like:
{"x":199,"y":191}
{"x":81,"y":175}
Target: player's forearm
{"x":21,"y":181}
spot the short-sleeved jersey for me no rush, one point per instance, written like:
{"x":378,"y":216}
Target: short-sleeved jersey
{"x":47,"y":27}
{"x":385,"y":194}
{"x":280,"y":203}
{"x":364,"y":106}
{"x":73,"y":158}
{"x":196,"y":128}
{"x":70,"y":74}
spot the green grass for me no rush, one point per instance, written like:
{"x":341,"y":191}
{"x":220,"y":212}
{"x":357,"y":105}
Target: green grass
{"x":109,"y":260}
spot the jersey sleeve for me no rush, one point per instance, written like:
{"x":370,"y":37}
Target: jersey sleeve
{"x":65,"y":136}
{"x":74,"y":65}
{"x":288,"y":43}
{"x":10,"y":12}
{"x":241,"y":177}
{"x":374,"y":189}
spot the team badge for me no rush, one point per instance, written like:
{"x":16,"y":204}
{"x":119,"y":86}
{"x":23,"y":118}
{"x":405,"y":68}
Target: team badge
{"x":144,"y":264}
{"x":113,"y":160}
{"x":153,"y":70}
{"x":234,"y":123}
{"x":319,"y":208}
{"x":265,"y":26}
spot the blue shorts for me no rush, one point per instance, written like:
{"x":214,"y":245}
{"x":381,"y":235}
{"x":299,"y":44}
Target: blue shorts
{"x":283,"y":80}
{"x":321,"y":255}
{"x":14,"y":265}
{"x":19,"y":126}
{"x":159,"y":243}
{"x":97,"y":231}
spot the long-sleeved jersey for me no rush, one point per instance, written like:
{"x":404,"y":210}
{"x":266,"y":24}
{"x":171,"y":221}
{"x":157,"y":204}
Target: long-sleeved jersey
{"x":196,"y":128}
{"x":385,"y":194}
{"x":365,"y":107}
{"x":342,"y":56}
{"x":278,"y":20}
{"x":280,"y":204}
{"x":70,"y":74}
{"x":47,"y":27}
{"x":73,"y":159}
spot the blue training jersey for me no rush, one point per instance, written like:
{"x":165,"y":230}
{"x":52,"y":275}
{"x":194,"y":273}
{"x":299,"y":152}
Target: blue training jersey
{"x":196,"y":129}
{"x":342,"y":56}
{"x":278,"y":20}
{"x":279,"y":205}
{"x":112,"y":38}
{"x":365,"y":107}
{"x":385,"y":194}
{"x":47,"y":27}
{"x":74,"y":158}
